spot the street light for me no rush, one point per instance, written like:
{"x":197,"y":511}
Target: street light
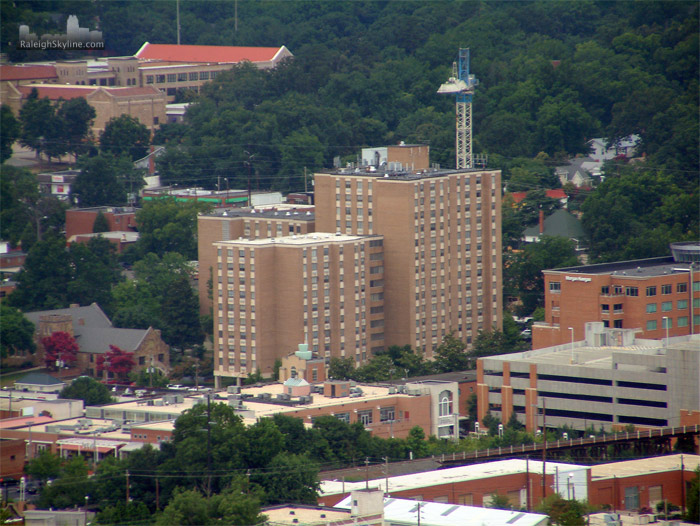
{"x":87,"y":497}
{"x":665,"y":321}
{"x":569,"y":482}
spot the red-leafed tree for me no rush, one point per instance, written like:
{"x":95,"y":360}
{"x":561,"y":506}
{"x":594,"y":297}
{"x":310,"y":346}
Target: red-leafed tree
{"x":61,"y":349}
{"x":116,"y":361}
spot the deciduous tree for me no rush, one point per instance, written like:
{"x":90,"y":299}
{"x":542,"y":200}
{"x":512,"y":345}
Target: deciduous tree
{"x":125,"y":135}
{"x":16,"y":332}
{"x":88,"y":390}
{"x":10,"y":132}
{"x":60,"y":349}
{"x":116,"y":362}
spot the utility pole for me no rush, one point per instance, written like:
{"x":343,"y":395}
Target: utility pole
{"x":208,"y":445}
{"x":157,"y":495}
{"x":177,"y":3}
{"x":386,"y":475}
{"x":527,"y":482}
{"x":127,"y":487}
{"x":544,"y":449}
{"x":366,"y":472}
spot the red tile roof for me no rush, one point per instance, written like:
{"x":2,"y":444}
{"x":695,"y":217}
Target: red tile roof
{"x":220,"y":54}
{"x":27,"y":72}
{"x":557,"y":193}
{"x":56,"y":91}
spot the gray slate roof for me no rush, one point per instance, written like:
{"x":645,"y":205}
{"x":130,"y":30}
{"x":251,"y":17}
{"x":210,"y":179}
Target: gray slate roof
{"x":92,"y":316}
{"x":560,"y":223}
{"x":95,"y":333}
{"x":35,"y":378}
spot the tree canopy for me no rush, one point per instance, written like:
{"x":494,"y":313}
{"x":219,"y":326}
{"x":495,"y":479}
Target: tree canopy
{"x":88,"y":390}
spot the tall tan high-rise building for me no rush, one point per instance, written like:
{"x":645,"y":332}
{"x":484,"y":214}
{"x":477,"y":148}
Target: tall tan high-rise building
{"x":442,"y":246}
{"x":271,"y":294}
{"x":235,"y":223}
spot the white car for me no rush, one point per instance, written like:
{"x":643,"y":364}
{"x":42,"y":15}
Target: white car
{"x":177,"y":387}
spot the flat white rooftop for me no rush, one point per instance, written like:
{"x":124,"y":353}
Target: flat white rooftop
{"x":296,"y":240}
{"x":644,"y":466}
{"x":450,"y":475}
{"x":404,"y":512}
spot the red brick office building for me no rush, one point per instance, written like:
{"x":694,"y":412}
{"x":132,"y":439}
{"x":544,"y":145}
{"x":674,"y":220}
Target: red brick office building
{"x":658,"y":296}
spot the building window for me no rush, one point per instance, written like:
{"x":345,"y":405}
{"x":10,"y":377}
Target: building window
{"x":365,"y":417}
{"x":387,"y":414}
{"x":605,"y":309}
{"x":160,"y":79}
{"x":182,"y":77}
{"x":193,"y":75}
{"x":617,"y":289}
{"x":651,"y":291}
{"x":631,"y":291}
{"x":682,"y":287}
{"x":149,"y":79}
{"x":445,"y":403}
{"x":617,"y":308}
{"x":343,"y":417}
{"x":683,"y":321}
{"x":172,"y":77}
{"x":682,"y":304}
{"x":696,"y":286}
{"x":651,"y":307}
{"x":555,"y":287}
{"x":666,"y":306}
{"x":617,"y":324}
{"x":651,"y":325}
{"x":203,"y":75}
{"x":605,"y":290}
{"x":666,"y":289}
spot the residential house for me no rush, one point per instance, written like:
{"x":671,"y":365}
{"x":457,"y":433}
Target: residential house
{"x":561,"y":223}
{"x":94,"y":334}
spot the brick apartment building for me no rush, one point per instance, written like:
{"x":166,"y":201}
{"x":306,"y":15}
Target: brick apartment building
{"x":271,"y":294}
{"x":442,"y":246}
{"x":225,"y":225}
{"x":650,"y":295}
{"x":440,"y":236}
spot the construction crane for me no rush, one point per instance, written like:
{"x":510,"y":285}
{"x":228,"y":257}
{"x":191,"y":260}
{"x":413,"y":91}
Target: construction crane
{"x":461,"y":84}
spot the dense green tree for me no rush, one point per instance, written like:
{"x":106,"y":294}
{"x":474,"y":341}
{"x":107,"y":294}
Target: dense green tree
{"x":564,"y":512}
{"x":41,"y":284}
{"x":168,"y":226}
{"x":70,"y":488}
{"x":523,"y":271}
{"x":25,"y":214}
{"x":289,"y":478}
{"x":101,"y":224}
{"x":451,"y":355}
{"x":125,"y":135}
{"x":121,"y":513}
{"x":36,"y":117}
{"x":10,"y":132}
{"x":45,"y":466}
{"x":416,"y":442}
{"x":16,"y":332}
{"x":94,"y":270}
{"x":341,"y":368}
{"x":88,"y":390}
{"x":180,"y":314}
{"x":101,"y":181}
{"x":76,"y":117}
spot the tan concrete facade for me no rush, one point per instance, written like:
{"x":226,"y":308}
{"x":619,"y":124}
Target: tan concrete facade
{"x":272,"y":294}
{"x":628,"y":295}
{"x":442,"y":247}
{"x":234,"y":225}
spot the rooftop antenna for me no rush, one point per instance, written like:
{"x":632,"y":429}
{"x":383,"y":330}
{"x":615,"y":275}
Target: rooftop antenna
{"x":461,"y":84}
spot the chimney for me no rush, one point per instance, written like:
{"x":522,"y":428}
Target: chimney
{"x":541,"y":221}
